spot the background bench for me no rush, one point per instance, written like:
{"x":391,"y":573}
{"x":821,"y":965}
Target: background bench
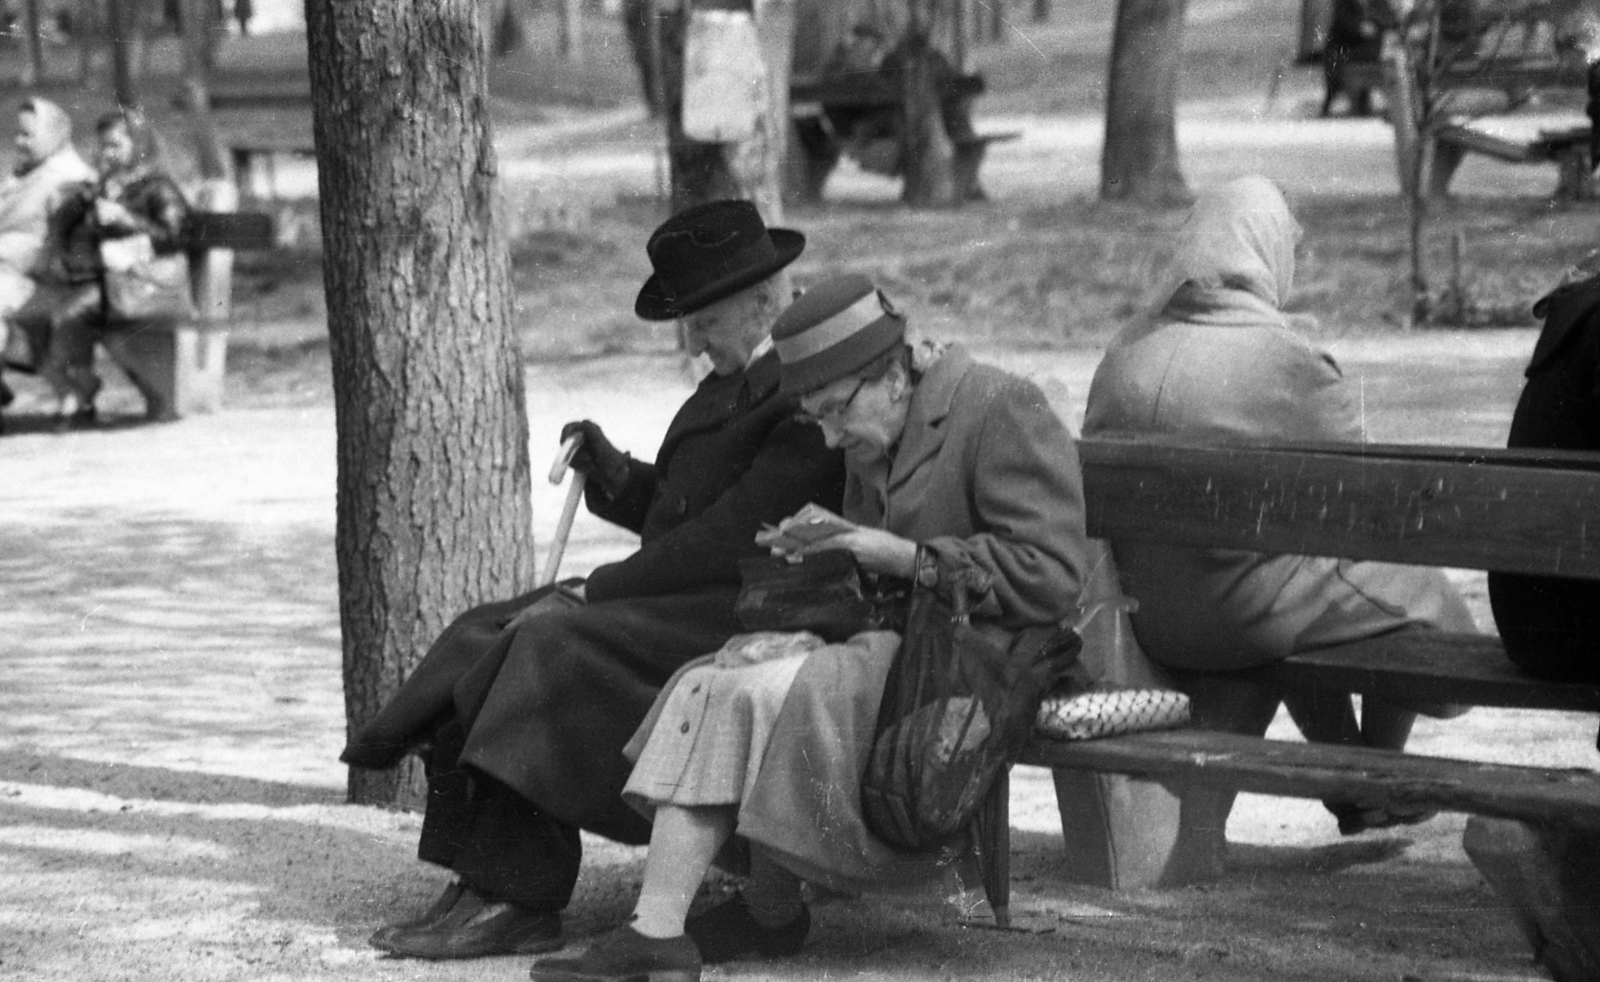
{"x":1507,"y":510}
{"x":820,"y":106}
{"x":179,"y":364}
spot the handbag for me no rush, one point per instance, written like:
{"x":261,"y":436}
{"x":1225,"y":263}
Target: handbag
{"x":958,"y":704}
{"x":821,"y":593}
{"x":141,"y":285}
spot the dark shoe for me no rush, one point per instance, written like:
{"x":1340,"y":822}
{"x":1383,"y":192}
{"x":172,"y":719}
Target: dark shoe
{"x":478,"y":928}
{"x":624,"y":955}
{"x":7,"y":397}
{"x":441,"y":907}
{"x":82,"y":418}
{"x":1355,"y":819}
{"x":728,"y":931}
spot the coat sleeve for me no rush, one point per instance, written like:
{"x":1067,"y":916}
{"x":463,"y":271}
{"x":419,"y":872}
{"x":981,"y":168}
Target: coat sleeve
{"x":1028,"y":497}
{"x":792,"y":467}
{"x":629,"y":508}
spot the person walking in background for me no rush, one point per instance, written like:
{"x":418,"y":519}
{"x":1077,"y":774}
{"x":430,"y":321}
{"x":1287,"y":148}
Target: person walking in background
{"x":132,"y":196}
{"x":47,"y":166}
{"x":524,"y":706}
{"x":1217,"y":359}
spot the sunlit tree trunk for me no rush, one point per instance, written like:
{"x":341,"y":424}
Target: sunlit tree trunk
{"x":752,"y":168}
{"x":1140,"y":159}
{"x":433,"y":478}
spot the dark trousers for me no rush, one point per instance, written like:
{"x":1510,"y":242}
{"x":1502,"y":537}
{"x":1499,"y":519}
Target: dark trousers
{"x":497,"y":842}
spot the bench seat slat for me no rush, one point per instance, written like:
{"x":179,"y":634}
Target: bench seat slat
{"x":1435,"y":666}
{"x":239,"y":230}
{"x":1304,"y":770}
{"x":1361,"y":505}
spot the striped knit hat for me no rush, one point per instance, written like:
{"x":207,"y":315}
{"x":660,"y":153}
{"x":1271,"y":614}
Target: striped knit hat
{"x":837,"y":327}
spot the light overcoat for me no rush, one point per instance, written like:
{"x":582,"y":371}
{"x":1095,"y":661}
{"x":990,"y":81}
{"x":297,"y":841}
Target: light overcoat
{"x":1221,"y":364}
{"x":986,"y":474}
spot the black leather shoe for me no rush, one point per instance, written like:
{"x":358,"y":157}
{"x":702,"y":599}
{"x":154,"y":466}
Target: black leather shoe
{"x":1355,"y":818}
{"x":624,"y":955}
{"x":478,"y":928}
{"x":440,"y":907}
{"x":729,"y":931}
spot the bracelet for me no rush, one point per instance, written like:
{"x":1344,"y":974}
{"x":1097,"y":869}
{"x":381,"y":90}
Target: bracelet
{"x":927,"y":567}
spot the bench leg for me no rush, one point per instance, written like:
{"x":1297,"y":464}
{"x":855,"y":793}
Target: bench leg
{"x":178,"y":370}
{"x":1550,"y":880}
{"x":1118,"y":832}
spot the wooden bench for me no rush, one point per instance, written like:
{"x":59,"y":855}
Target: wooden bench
{"x":1515,"y":53}
{"x":820,"y":107}
{"x":179,"y":364}
{"x":1505,"y":510}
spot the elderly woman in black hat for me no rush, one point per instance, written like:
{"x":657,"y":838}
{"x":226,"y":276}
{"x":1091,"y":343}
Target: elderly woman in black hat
{"x":953,"y":466}
{"x":522,"y":707}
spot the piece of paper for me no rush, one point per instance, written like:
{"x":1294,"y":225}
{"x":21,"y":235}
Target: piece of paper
{"x":805,"y":527}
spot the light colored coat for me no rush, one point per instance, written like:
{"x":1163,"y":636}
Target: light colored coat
{"x":1219,"y":361}
{"x":986,"y":474}
{"x":26,"y":202}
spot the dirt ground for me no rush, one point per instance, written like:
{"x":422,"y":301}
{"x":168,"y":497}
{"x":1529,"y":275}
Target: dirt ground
{"x":171,"y":806}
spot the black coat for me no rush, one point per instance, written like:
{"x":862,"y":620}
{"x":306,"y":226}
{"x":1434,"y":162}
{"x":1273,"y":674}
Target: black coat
{"x":1551,"y":626}
{"x":547,"y":708}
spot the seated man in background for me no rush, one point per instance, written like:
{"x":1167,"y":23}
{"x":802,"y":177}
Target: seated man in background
{"x":46,"y":165}
{"x":525,"y":705}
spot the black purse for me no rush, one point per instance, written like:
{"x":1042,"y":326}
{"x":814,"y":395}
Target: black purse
{"x":957,"y":707}
{"x":822,"y":593}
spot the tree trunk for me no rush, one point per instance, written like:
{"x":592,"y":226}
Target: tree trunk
{"x":1140,"y":159}
{"x":643,"y":28}
{"x":210,"y":153}
{"x":1041,"y":11}
{"x":119,"y":24}
{"x":33,"y":28}
{"x":752,"y":169}
{"x":432,"y":434}
{"x":927,"y":157}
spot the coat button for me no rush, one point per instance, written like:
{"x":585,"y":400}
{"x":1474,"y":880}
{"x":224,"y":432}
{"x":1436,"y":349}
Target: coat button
{"x":684,"y":728}
{"x":694,"y":691}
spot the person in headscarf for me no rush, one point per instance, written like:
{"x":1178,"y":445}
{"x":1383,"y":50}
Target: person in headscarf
{"x":132,"y":196}
{"x":1218,"y":359}
{"x":47,"y":165}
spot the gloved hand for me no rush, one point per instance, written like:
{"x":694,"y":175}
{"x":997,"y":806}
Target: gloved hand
{"x":596,"y":458}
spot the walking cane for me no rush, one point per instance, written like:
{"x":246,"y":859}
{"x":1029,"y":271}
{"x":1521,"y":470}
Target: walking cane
{"x":569,"y":508}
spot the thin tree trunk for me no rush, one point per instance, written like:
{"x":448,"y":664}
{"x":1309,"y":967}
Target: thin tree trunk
{"x":1140,"y":158}
{"x":433,"y":479}
{"x":570,"y":40}
{"x":212,"y":157}
{"x":751,"y":169}
{"x":118,"y":23}
{"x":33,"y":27}
{"x":927,"y":157}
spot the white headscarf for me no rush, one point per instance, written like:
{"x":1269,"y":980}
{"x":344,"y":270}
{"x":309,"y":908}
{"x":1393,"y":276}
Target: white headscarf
{"x":1240,"y":235}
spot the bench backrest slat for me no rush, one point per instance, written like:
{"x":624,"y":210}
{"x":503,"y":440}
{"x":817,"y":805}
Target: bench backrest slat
{"x":1456,"y":507}
{"x":238,"y":230}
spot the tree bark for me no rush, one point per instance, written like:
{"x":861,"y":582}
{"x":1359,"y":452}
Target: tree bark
{"x":432,"y":435}
{"x":1140,"y":159}
{"x":751,"y":169}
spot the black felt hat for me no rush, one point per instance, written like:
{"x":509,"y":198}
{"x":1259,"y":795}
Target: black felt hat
{"x":708,"y":252}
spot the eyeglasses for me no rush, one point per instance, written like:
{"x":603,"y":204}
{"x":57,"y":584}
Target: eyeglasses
{"x":832,"y":410}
